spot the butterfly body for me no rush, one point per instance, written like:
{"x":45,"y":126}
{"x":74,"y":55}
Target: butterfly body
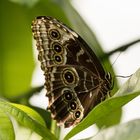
{"x":75,"y":79}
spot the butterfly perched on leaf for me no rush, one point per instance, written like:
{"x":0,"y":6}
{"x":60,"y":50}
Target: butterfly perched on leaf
{"x":74,"y":77}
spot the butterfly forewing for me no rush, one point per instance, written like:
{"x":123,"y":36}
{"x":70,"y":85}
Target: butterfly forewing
{"x":74,"y":78}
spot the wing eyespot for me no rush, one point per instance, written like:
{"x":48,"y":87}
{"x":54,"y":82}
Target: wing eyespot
{"x":68,"y":95}
{"x":69,"y":76}
{"x":57,"y":48}
{"x":77,"y":114}
{"x":54,"y":34}
{"x":58,"y":59}
{"x":73,"y":105}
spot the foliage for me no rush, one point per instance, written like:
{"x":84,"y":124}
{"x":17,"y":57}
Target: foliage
{"x":17,"y":66}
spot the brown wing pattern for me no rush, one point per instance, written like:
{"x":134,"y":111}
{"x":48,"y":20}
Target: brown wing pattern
{"x":75,"y":79}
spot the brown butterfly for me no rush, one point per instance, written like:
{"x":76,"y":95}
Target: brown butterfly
{"x":75,"y":79}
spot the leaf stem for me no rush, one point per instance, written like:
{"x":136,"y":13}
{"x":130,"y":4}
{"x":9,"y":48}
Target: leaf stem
{"x":55,"y":129}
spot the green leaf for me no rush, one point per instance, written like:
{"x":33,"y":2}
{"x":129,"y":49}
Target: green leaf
{"x":126,"y":131}
{"x":28,"y":118}
{"x":30,"y":112}
{"x":6,"y":127}
{"x":23,"y":133}
{"x":128,"y":91}
{"x":45,"y":114}
{"x":107,"y":121}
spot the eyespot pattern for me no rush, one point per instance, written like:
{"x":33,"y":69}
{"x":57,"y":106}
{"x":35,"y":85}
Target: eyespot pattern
{"x":57,"y":48}
{"x":68,"y":95}
{"x":69,"y":76}
{"x":77,"y":114}
{"x":73,"y":105}
{"x":54,"y":34}
{"x":58,"y":59}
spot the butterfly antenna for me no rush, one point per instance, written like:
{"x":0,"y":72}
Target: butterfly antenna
{"x":116,"y":59}
{"x":121,"y":49}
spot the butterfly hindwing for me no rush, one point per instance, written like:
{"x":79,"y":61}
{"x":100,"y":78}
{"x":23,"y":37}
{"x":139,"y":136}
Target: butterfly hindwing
{"x":75,"y":79}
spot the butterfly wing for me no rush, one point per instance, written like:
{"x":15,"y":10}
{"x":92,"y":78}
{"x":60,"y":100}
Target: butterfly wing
{"x":75,"y":79}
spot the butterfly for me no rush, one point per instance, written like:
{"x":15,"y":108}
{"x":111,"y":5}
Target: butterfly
{"x":74,"y":77}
